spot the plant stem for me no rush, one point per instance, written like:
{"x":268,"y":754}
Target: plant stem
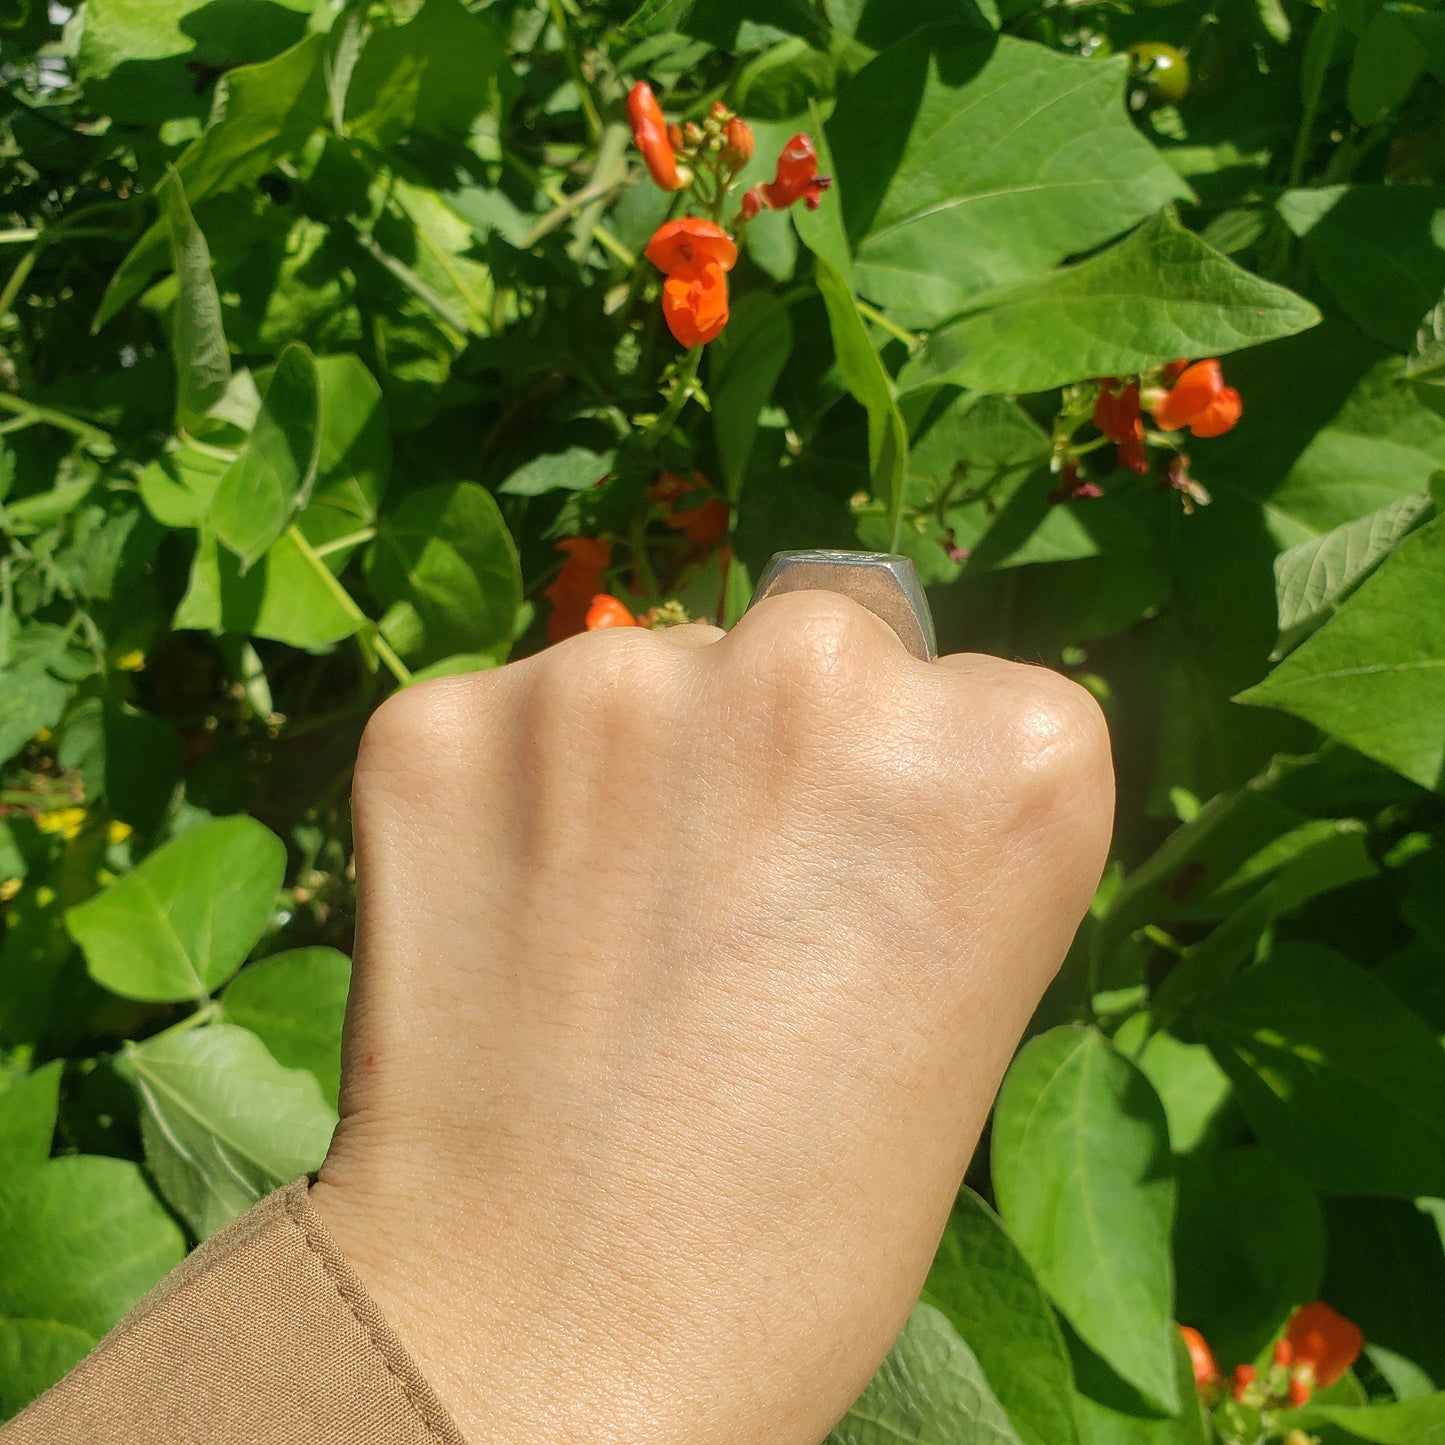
{"x":681,"y":390}
{"x":32,"y":415}
{"x":574,"y":68}
{"x":909,"y":338}
{"x":1329,"y":21}
{"x":352,"y":539}
{"x":398,"y":669}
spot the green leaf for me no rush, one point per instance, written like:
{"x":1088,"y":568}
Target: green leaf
{"x":178,"y":486}
{"x":1409,"y":1422}
{"x":223,"y":1123}
{"x":1382,"y":445}
{"x":1195,"y":1091}
{"x":1387,"y":1273}
{"x":1110,"y":1414}
{"x":1378,"y":251}
{"x":1082,"y":1173}
{"x":744,"y":365}
{"x":435,"y":74}
{"x":295,"y":1002}
{"x":284,"y":597}
{"x":27,"y":1116}
{"x":445,"y":557}
{"x":142,"y":60}
{"x":930,"y":1391}
{"x":1386,"y":66}
{"x":203,"y":360}
{"x":1341,"y":1081}
{"x":984,"y":1286}
{"x":353,"y":454}
{"x":82,"y":1239}
{"x":1160,"y":293}
{"x":1249,"y":1245}
{"x":128,"y":758}
{"x":273,"y":476}
{"x":868,"y":382}
{"x":180,"y":925}
{"x":1313,"y":578}
{"x":573,"y":470}
{"x":1374,"y":675}
{"x":261,"y":114}
{"x":966,"y":163}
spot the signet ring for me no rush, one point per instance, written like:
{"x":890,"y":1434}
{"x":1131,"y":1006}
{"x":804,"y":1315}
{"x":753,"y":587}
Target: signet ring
{"x":883,"y":582}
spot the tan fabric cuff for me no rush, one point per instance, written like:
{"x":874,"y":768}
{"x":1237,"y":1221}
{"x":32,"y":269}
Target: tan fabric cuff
{"x":264,"y":1335}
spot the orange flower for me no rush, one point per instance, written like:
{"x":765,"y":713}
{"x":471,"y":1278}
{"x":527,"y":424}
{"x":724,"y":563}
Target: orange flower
{"x":703,"y":525}
{"x":1201,"y":1358}
{"x":797,"y":177}
{"x":695,"y":303}
{"x":575,"y":585}
{"x":608,"y":611}
{"x":1325,"y":1340}
{"x":649,"y":130}
{"x":690,"y":241}
{"x":1118,"y":418}
{"x":1200,"y":400}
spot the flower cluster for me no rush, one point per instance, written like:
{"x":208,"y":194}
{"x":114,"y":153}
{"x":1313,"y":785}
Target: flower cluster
{"x":1316,"y":1349}
{"x":686,"y":506}
{"x":694,"y":253}
{"x":1182,"y":396}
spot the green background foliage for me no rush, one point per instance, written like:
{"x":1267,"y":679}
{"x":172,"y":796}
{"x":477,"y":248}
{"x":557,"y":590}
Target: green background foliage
{"x":320,"y":326}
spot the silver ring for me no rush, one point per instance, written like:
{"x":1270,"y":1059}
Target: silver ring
{"x":883,"y":582}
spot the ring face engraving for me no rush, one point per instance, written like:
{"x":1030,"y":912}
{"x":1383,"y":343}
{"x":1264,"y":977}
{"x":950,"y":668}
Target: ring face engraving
{"x":883,"y":582}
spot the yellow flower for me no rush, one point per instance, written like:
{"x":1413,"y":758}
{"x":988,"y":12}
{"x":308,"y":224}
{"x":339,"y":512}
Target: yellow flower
{"x":8,"y":889}
{"x":131,"y":661}
{"x":66,"y":821}
{"x":116,"y":831}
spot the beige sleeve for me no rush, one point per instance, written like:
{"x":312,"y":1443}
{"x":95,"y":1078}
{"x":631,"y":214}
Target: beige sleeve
{"x":264,"y":1336}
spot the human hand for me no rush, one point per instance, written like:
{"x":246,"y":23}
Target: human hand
{"x":687,"y":968}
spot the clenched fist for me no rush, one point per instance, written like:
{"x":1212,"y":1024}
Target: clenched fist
{"x":688,"y":965}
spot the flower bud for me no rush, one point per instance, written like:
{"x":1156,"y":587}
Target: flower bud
{"x":608,"y":611}
{"x":650,"y":132}
{"x":737,"y":144}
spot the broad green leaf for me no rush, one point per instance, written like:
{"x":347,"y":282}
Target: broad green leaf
{"x":868,"y":382}
{"x":1313,"y":578}
{"x":985,"y":1287}
{"x":930,"y":1391}
{"x":1374,"y":675}
{"x":261,"y":113}
{"x":274,"y":474}
{"x":141,"y":60}
{"x":1109,"y":1414}
{"x":573,"y":470}
{"x":1340,"y":1081}
{"x":128,"y":758}
{"x":353,"y":455}
{"x":744,"y":364}
{"x":180,"y":925}
{"x":294,"y":1003}
{"x":435,"y":74}
{"x":1381,"y":445}
{"x":1084,"y":1182}
{"x":1160,"y":293}
{"x":1387,"y":1273}
{"x":1195,"y":1091}
{"x":178,"y":486}
{"x":286,"y":596}
{"x":967,"y":162}
{"x":1379,"y":249}
{"x":1409,"y":1422}
{"x":81,"y":1239}
{"x":446,"y":559}
{"x":31,"y":698}
{"x":223,"y":1122}
{"x":27,"y":1117}
{"x":198,"y":339}
{"x":1387,"y":63}
{"x":1249,"y":1245}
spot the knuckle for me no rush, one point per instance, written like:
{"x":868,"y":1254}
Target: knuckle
{"x":598,"y":673}
{"x":1060,"y":758}
{"x":812,"y":640}
{"x":414,"y":722}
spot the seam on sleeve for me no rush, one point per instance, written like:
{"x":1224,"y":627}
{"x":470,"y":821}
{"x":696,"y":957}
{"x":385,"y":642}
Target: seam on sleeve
{"x":353,"y":1296}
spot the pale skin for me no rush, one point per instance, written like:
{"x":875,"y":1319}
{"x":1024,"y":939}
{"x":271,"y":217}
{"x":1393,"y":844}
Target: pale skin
{"x":688,"y":966}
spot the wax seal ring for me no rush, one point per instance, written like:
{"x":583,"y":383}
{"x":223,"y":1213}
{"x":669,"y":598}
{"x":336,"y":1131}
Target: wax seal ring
{"x":883,"y":582}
